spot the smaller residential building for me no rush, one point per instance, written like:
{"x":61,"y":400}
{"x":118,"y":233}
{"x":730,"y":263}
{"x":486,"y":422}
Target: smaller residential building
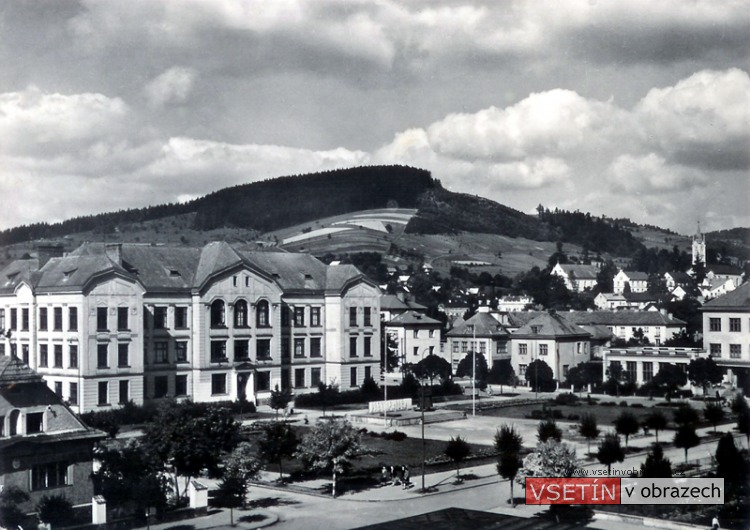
{"x":576,"y":277}
{"x":415,"y":335}
{"x":552,"y":338}
{"x":638,"y":281}
{"x":643,"y":363}
{"x":44,"y":448}
{"x":392,"y":305}
{"x":673,"y":279}
{"x":482,"y":333}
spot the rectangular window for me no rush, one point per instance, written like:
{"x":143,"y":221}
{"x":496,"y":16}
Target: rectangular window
{"x":544,"y":349}
{"x":101,"y":319}
{"x":315,"y":316}
{"x":103,"y":393}
{"x":714,"y":324}
{"x":315,"y":377}
{"x":160,"y":317}
{"x":122,"y":319}
{"x":25,"y":353}
{"x":13,"y":319}
{"x":43,"y":319}
{"x":431,"y":333}
{"x":631,"y":367}
{"x":263,"y":349}
{"x":735,"y":325}
{"x":353,"y":376}
{"x":180,"y":385}
{"x":2,"y":319}
{"x":715,"y":350}
{"x":522,"y":369}
{"x":566,"y":367}
{"x":43,"y":355}
{"x":735,"y":351}
{"x":263,"y":381}
{"x":502,"y":347}
{"x":123,"y":354}
{"x":416,"y":333}
{"x":353,"y":346}
{"x":299,"y":378}
{"x":483,"y":347}
{"x":299,"y":347}
{"x":161,"y":386}
{"x":58,"y":349}
{"x":353,"y":317}
{"x":73,"y":353}
{"x":24,"y":319}
{"x":299,"y":316}
{"x":102,"y":355}
{"x":218,"y":351}
{"x":464,"y":346}
{"x":218,"y":384}
{"x":285,"y":319}
{"x":454,"y":346}
{"x":73,"y":393}
{"x":368,"y":316}
{"x":368,"y":346}
{"x":416,"y":351}
{"x":180,"y":351}
{"x":181,"y":317}
{"x":315,"y":347}
{"x":648,"y":371}
{"x":57,"y":318}
{"x":45,"y":476}
{"x":34,"y":422}
{"x":161,"y":355}
{"x":123,"y":391}
{"x":241,"y":350}
{"x":368,"y":372}
{"x":72,"y":319}
{"x":523,"y":349}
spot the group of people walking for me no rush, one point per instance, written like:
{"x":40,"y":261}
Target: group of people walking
{"x":395,"y":476}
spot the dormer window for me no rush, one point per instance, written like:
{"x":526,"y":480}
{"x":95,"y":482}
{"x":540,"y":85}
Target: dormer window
{"x":535,"y":329}
{"x":67,"y":274}
{"x":174,"y":273}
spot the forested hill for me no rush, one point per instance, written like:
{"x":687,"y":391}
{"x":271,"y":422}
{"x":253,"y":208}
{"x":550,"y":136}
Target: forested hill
{"x":288,"y":201}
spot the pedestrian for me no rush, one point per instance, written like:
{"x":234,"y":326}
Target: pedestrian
{"x":406,"y":477}
{"x":715,"y":523}
{"x":397,"y":477}
{"x":393,"y":475}
{"x":383,"y":476}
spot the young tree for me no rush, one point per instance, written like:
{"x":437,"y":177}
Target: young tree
{"x":685,"y":415}
{"x":686,"y":438}
{"x":626,"y":424}
{"x":703,"y":372}
{"x":589,"y":429}
{"x":610,"y":451}
{"x":328,"y":394}
{"x":278,"y":441}
{"x":432,"y":367}
{"x":615,"y":376}
{"x":539,"y":375}
{"x":656,"y":421}
{"x":502,"y":373}
{"x":656,"y":466}
{"x":464,"y":368}
{"x":548,"y":430}
{"x":240,"y":467}
{"x":508,"y":444}
{"x":330,"y":446}
{"x":280,"y":399}
{"x":457,"y":450}
{"x":669,"y":378}
{"x":55,"y":510}
{"x":714,"y":414}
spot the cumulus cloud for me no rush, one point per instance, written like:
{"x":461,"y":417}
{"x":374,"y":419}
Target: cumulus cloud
{"x":171,"y":87}
{"x":652,"y":174}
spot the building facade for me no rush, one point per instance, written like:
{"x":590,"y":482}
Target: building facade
{"x":577,"y":278}
{"x":415,"y":335}
{"x":108,"y":324}
{"x":482,"y":333}
{"x":636,"y":281}
{"x":643,"y":363}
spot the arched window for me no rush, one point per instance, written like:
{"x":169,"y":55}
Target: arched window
{"x":218,"y":314}
{"x":240,"y":314}
{"x":262,"y":314}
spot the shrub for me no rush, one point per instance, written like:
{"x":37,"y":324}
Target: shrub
{"x":636,"y":405}
{"x":55,"y":510}
{"x":396,"y":436}
{"x":566,"y":399}
{"x":607,"y":403}
{"x":623,"y":403}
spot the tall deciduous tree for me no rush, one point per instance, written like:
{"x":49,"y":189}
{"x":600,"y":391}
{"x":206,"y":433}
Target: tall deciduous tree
{"x":508,"y":444}
{"x":703,"y":372}
{"x":610,"y":451}
{"x":656,"y":421}
{"x":330,"y":446}
{"x":686,"y":438}
{"x":464,"y":368}
{"x":433,"y":367}
{"x":278,"y":441}
{"x":626,"y":424}
{"x":539,"y":375}
{"x":669,"y":378}
{"x":502,"y":373}
{"x":584,"y":374}
{"x":240,"y":467}
{"x":588,"y":428}
{"x":457,"y":450}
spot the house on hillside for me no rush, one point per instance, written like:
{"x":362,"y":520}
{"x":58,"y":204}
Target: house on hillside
{"x":552,"y":338}
{"x":577,"y":278}
{"x":509,"y":304}
{"x":45,"y":449}
{"x":107,"y":324}
{"x":482,"y":333}
{"x":636,"y":281}
{"x":726,"y":333}
{"x":675,"y":279}
{"x":415,"y":335}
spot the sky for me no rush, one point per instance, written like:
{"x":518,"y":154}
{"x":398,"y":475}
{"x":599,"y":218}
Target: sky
{"x":636,"y":108}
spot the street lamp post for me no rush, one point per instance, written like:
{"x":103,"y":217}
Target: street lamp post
{"x":474,"y":371}
{"x":421,"y":408}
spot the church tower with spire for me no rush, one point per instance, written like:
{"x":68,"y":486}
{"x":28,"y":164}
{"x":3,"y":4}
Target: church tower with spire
{"x":699,"y":246}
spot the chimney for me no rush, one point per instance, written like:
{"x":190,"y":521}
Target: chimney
{"x":114,"y":252}
{"x":46,"y":252}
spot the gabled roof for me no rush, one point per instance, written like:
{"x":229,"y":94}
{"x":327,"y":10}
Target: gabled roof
{"x":737,"y":300}
{"x":296,"y":272}
{"x":725,"y":270}
{"x":14,"y":371}
{"x":414,"y":318}
{"x":680,"y":277}
{"x":551,"y":324}
{"x":622,"y":318}
{"x":75,"y":272}
{"x":636,"y":275}
{"x":480,"y":325}
{"x":337,"y":276}
{"x":216,"y":257}
{"x":20,"y":270}
{"x":580,"y":272}
{"x":391,"y":302}
{"x":640,"y":297}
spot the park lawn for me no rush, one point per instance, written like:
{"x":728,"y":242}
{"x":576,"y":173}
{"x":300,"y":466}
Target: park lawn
{"x":605,"y":415}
